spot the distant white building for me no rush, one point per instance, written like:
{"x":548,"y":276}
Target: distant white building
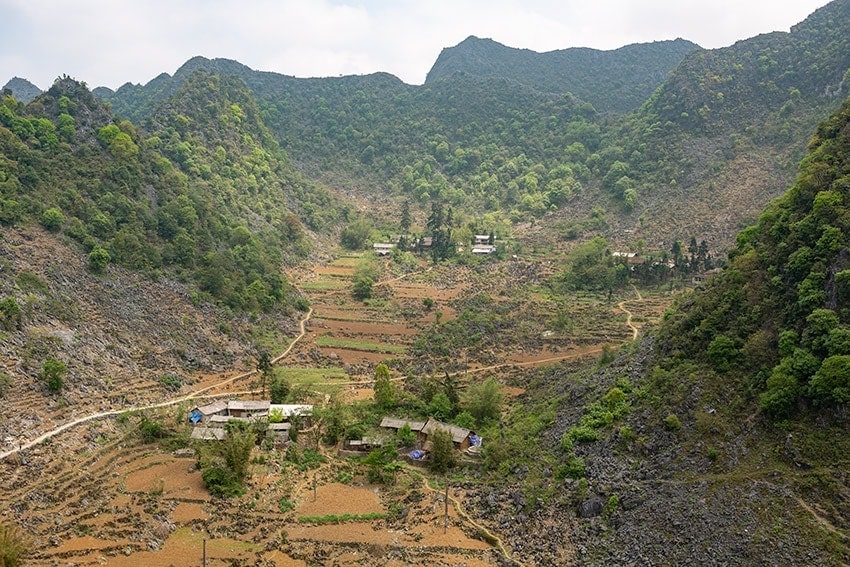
{"x":383,"y":248}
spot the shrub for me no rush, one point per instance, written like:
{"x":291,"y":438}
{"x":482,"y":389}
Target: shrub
{"x":52,"y":371}
{"x":98,"y":259}
{"x":10,"y":313}
{"x":222,"y":482}
{"x":52,"y":219}
{"x":672,"y":423}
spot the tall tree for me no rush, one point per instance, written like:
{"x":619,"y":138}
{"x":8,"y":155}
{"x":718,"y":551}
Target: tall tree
{"x":384,"y":391}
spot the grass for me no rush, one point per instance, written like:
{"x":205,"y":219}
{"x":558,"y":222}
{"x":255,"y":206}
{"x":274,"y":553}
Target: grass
{"x":299,"y":375}
{"x":326,"y":341}
{"x":324,"y":285}
{"x":340,"y":518}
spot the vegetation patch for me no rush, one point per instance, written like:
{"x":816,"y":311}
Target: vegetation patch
{"x":332,"y":342}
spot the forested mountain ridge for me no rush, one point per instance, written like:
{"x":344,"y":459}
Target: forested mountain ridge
{"x":716,"y":141}
{"x":619,"y":80}
{"x":202,"y":195}
{"x":723,"y":135}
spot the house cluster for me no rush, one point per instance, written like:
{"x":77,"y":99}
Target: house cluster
{"x":210,"y":420}
{"x":464,"y":440}
{"x":482,"y":244}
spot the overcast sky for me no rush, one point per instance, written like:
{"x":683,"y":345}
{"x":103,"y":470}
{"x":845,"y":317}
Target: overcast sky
{"x":111,"y":42}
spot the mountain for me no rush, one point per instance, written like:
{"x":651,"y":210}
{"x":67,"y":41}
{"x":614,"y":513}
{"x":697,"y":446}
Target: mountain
{"x":204,"y":194}
{"x":722,"y":436}
{"x":22,"y":89}
{"x":617,"y":81}
{"x":494,"y":134}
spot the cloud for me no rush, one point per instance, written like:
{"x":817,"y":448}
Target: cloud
{"x":110,"y":42}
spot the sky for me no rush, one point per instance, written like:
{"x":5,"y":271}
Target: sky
{"x":112,"y":42}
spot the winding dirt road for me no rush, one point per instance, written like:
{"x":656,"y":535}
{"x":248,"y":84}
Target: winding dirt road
{"x":197,"y":394}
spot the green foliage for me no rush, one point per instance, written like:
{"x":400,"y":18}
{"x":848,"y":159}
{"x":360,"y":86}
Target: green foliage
{"x":405,"y":437}
{"x":722,"y":352}
{"x":672,"y":422}
{"x":441,"y":406}
{"x":151,"y":430}
{"x":366,"y":273}
{"x":356,"y":235}
{"x":574,"y":468}
{"x":236,"y":448}
{"x":443,"y":455}
{"x":222,"y":482}
{"x":52,"y":219}
{"x":52,"y":372}
{"x":483,"y":400}
{"x":831,"y":383}
{"x":14,"y":546}
{"x":279,"y":390}
{"x":591,"y":267}
{"x":98,"y":259}
{"x":384,"y":389}
{"x":171,"y":382}
{"x":10,"y":314}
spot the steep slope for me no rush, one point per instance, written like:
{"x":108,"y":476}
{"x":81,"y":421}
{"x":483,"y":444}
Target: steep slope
{"x":722,"y":438}
{"x":71,"y":166}
{"x":618,"y":81}
{"x":723,"y":134}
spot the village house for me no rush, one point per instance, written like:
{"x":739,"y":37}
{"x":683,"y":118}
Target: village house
{"x":383,"y":248}
{"x":481,"y":239}
{"x":211,"y":420}
{"x":483,"y":249}
{"x":461,"y":437}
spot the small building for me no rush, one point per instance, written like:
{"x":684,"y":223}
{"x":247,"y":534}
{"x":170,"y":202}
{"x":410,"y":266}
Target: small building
{"x":383,"y":248}
{"x":483,"y":249}
{"x":202,"y":414}
{"x":461,"y":437}
{"x":248,"y":408}
{"x":481,"y":239}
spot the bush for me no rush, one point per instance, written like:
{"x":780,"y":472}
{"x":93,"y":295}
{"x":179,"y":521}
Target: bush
{"x":98,"y":259}
{"x":52,"y":371}
{"x":52,"y":219}
{"x":10,"y":313}
{"x":222,"y":482}
{"x":672,"y":423}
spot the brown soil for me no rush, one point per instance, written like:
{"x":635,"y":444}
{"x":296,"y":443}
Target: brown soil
{"x":108,"y":501}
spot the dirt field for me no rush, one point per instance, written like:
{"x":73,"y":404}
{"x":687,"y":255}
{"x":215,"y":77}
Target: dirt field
{"x":108,"y":501}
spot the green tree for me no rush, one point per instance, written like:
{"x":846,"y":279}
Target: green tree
{"x":279,"y":390}
{"x":355,"y":236}
{"x":98,"y":259}
{"x":52,"y":219}
{"x":484,"y":401}
{"x":264,"y":367}
{"x":443,"y":455}
{"x":384,"y":390}
{"x":831,"y":383}
{"x":236,"y":448}
{"x":405,"y":436}
{"x":404,"y":221}
{"x":52,"y":372}
{"x":440,"y":406}
{"x":365,"y":275}
{"x":10,"y":313}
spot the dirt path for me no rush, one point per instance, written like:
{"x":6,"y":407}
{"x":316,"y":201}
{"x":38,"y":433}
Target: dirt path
{"x":488,"y":535}
{"x":194,"y":395}
{"x":622,"y":307}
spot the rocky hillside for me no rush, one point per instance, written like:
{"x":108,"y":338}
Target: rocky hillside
{"x":722,"y":438}
{"x":124,"y":338}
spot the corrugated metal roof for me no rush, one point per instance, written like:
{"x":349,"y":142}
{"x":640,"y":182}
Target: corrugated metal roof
{"x":393,"y":423}
{"x":458,"y":433}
